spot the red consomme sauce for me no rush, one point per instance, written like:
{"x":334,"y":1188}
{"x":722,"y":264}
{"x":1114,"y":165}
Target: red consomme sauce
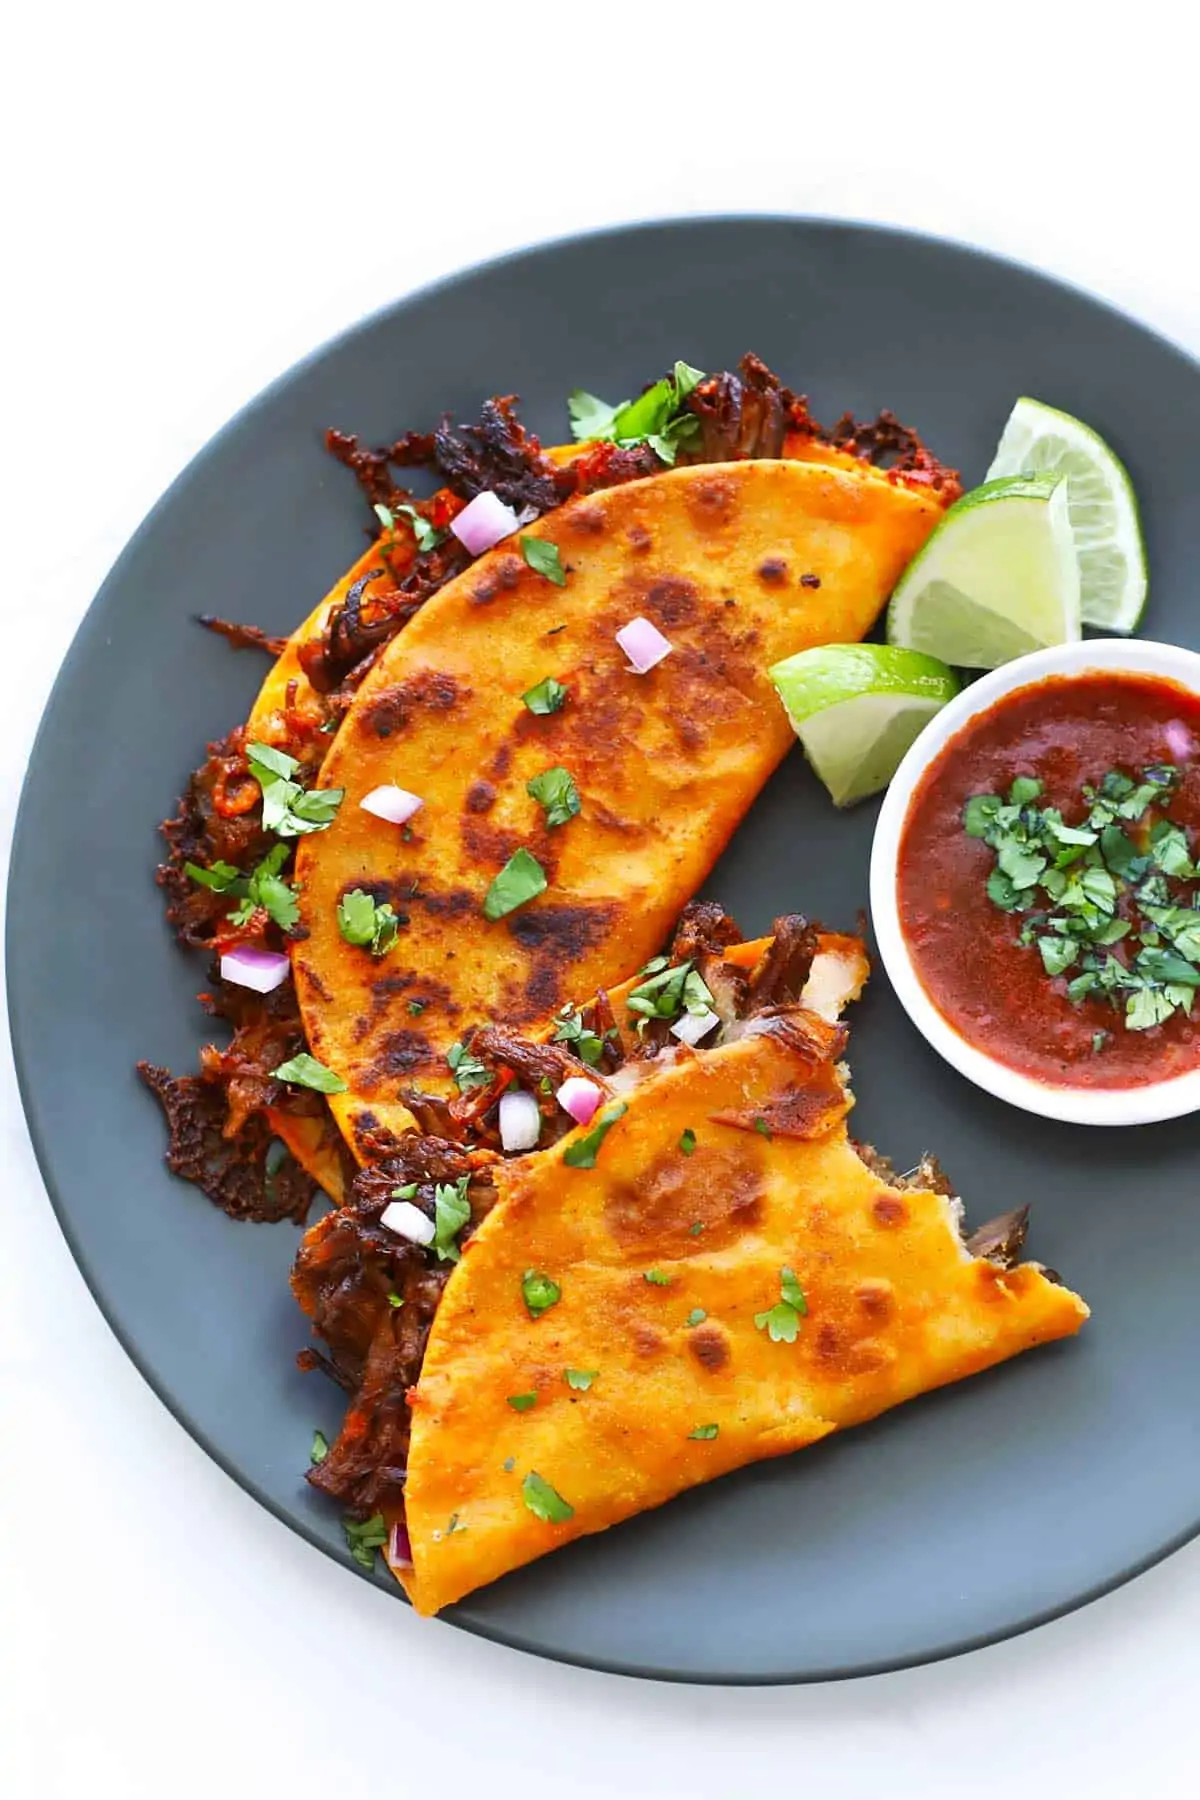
{"x":1068,"y":731}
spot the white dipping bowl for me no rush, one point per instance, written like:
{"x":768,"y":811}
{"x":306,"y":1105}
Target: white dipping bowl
{"x":1078,"y":1106}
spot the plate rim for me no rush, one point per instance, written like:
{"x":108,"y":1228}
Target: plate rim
{"x":24,"y":827}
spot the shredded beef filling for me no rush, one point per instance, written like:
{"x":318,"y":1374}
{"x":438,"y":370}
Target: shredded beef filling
{"x":349,"y":1274}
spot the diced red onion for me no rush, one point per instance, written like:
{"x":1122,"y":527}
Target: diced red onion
{"x":262,"y":970}
{"x":395,"y":804}
{"x":408,"y":1221}
{"x":520,"y":1120}
{"x":399,"y":1550}
{"x":693,"y":1026}
{"x":1179,"y":740}
{"x":483,"y":522}
{"x":580,"y":1098}
{"x":644,"y":644}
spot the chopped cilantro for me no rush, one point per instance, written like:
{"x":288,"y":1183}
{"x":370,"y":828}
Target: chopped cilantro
{"x":407,"y":1192}
{"x":581,"y":1379}
{"x":764,"y":1130}
{"x":666,"y":992}
{"x":219,"y":877}
{"x":543,"y":558}
{"x":656,"y":417}
{"x":288,"y":809}
{"x":522,"y":1402}
{"x":451,"y":1210}
{"x":520,"y":880}
{"x":364,"y":1539}
{"x":428,"y":536}
{"x":364,"y":922}
{"x":395,"y":1300}
{"x":543,"y":1500}
{"x":582,"y":1153}
{"x":687,"y":1142}
{"x":547,"y":697}
{"x":569,"y":1028}
{"x":555,"y":791}
{"x":539,"y":1292}
{"x":320,"y":1448}
{"x":697,"y":1316}
{"x":656,"y":1278}
{"x":781,"y":1322}
{"x":467,"y":1070}
{"x":1099,"y":1040}
{"x":695,"y":1228}
{"x":417,"y":1007}
{"x":508,"y":1464}
{"x":704,"y":1432}
{"x":305,"y":1071}
{"x":1080,"y":889}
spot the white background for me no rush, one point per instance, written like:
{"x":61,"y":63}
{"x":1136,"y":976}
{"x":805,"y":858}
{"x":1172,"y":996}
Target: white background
{"x":193,"y":197}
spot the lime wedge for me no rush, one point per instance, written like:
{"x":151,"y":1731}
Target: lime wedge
{"x":1103,"y":507}
{"x":856,"y":708}
{"x":998,"y":578}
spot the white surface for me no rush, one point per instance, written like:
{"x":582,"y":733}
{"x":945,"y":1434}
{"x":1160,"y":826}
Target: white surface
{"x":193,"y":198}
{"x":1080,"y":1105}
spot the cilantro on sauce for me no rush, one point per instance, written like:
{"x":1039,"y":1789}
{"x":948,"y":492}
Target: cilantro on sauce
{"x":1082,"y":890}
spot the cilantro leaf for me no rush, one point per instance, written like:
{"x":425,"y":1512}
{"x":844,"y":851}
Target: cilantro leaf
{"x":305,"y":1071}
{"x":539,"y":1292}
{"x":791,"y":1290}
{"x":452,"y":1209}
{"x":361,"y":921}
{"x":364,"y":1539}
{"x":979,"y":814}
{"x":220,"y":877}
{"x":555,"y":791}
{"x":467,"y":1070}
{"x":1058,"y":953}
{"x":544,"y":1501}
{"x":687,"y":1142}
{"x":590,"y":417}
{"x":582,"y":1153}
{"x":1169,"y":850}
{"x":520,"y":880}
{"x":667,"y":992}
{"x":569,"y":1028}
{"x":1024,"y":789}
{"x":580,"y":1379}
{"x":547,"y":697}
{"x":1147,"y":1008}
{"x":522,"y":1402}
{"x":320,"y":1448}
{"x":704,"y":1432}
{"x":656,"y":1278}
{"x":781,"y":1323}
{"x":697,"y":1316}
{"x":543,"y":558}
{"x":427,"y":535}
{"x":267,"y":764}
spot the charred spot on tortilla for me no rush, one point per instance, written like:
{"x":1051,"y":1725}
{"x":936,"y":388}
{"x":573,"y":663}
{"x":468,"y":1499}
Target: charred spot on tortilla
{"x":673,"y":600}
{"x":712,"y":504}
{"x":710,"y":1347}
{"x":800,"y":1110}
{"x":588,"y":521}
{"x":639,"y":538}
{"x":889,"y":1209}
{"x":502,"y":577}
{"x":314,"y":980}
{"x":875,"y":1297}
{"x":647,"y":1339}
{"x":481,"y":797}
{"x":717,"y":1186}
{"x":400,"y":1053}
{"x":389,"y":712}
{"x":810,"y":581}
{"x":773,"y":570}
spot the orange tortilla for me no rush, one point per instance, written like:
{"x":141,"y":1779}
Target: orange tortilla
{"x":896,"y":1306}
{"x":666,"y":764}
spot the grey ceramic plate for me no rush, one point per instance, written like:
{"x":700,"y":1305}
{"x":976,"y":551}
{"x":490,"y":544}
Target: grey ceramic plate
{"x":953,"y":1522}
